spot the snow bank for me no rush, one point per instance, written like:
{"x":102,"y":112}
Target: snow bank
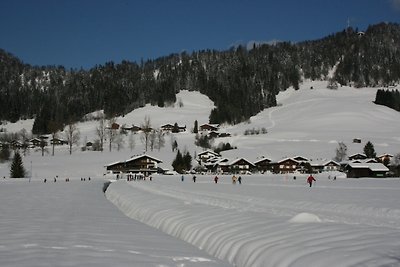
{"x":305,"y":218}
{"x":238,"y":227}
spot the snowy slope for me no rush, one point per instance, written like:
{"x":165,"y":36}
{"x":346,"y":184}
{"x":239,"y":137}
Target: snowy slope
{"x":306,"y":122}
{"x":267,"y":221}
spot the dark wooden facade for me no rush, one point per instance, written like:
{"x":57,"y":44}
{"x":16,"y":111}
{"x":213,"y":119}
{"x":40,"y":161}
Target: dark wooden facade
{"x":140,"y":164}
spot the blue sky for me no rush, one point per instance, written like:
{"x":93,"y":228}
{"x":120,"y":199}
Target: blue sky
{"x":82,"y":33}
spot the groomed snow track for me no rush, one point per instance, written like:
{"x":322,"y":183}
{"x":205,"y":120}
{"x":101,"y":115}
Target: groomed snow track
{"x":252,"y":235}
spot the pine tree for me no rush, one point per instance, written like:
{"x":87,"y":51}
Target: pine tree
{"x":178,"y":162}
{"x":187,"y":160}
{"x":17,"y":167}
{"x":369,"y":150}
{"x":196,"y":127}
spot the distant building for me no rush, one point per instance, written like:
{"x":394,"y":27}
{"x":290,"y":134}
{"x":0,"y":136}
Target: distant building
{"x":144,"y":164}
{"x":358,"y":170}
{"x":209,"y":127}
{"x":263,"y":164}
{"x":357,"y":156}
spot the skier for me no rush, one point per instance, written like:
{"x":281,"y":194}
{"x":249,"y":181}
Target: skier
{"x":194,"y":178}
{"x":233,"y":179}
{"x":216,"y":179}
{"x":183,"y":178}
{"x":310,"y":180}
{"x":240,"y":179}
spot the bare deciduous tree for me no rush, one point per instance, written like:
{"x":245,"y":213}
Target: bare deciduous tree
{"x":72,"y":135}
{"x":131,"y":141}
{"x":341,"y":152}
{"x":146,"y":130}
{"x":160,"y":140}
{"x":111,"y":133}
{"x":119,"y":141}
{"x":152,"y":139}
{"x":100,"y":131}
{"x":53,"y":127}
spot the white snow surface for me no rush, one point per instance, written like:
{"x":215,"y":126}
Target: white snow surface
{"x":269,"y":220}
{"x":273,"y":220}
{"x":73,"y":224}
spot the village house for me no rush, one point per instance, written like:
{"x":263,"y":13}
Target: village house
{"x":57,"y":141}
{"x":331,"y":165}
{"x":263,"y":164}
{"x":36,"y":142}
{"x":324,"y":166}
{"x":206,"y":156}
{"x":113,"y":126}
{"x":167,"y":127}
{"x":357,"y":170}
{"x":237,"y":166}
{"x":143,"y":164}
{"x":218,"y":165}
{"x":357,"y":156}
{"x":173,"y":128}
{"x":209,"y":127}
{"x":300,"y":159}
{"x":287,"y":165}
{"x":385,"y":158}
{"x":241,"y":166}
{"x":213,"y":134}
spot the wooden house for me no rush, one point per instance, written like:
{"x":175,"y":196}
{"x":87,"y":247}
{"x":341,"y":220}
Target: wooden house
{"x":36,"y":142}
{"x":287,"y":165}
{"x":173,"y":128}
{"x":357,"y":170}
{"x":357,"y":156}
{"x":385,"y":158}
{"x":324,"y":166}
{"x":213,"y":134}
{"x":224,"y":135}
{"x":263,"y":165}
{"x":144,"y":164}
{"x":57,"y":141}
{"x":209,"y":127}
{"x":167,"y":127}
{"x":206,"y":155}
{"x":241,"y":166}
{"x":113,"y":126}
{"x":300,"y":159}
{"x":331,"y":165}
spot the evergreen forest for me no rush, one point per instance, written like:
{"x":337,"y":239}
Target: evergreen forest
{"x":240,"y":81}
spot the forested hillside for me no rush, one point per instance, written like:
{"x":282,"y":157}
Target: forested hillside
{"x":241,"y":82}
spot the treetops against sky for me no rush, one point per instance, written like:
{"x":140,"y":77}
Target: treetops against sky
{"x":84,"y":33}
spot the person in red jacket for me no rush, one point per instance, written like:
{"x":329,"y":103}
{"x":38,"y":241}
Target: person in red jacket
{"x":310,"y":180}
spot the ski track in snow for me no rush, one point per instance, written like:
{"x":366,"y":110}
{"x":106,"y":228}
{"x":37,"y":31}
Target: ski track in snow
{"x":249,"y":230}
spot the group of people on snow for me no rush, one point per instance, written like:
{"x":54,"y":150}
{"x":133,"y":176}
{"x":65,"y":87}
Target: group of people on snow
{"x":310,"y":179}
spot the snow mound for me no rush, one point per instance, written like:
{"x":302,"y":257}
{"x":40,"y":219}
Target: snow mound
{"x":305,"y":217}
{"x":247,"y":227}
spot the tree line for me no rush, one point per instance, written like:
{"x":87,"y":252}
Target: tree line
{"x":389,"y":98}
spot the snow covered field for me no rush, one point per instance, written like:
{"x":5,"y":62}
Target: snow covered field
{"x":73,"y":224}
{"x":273,"y":220}
{"x":266,"y":221}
